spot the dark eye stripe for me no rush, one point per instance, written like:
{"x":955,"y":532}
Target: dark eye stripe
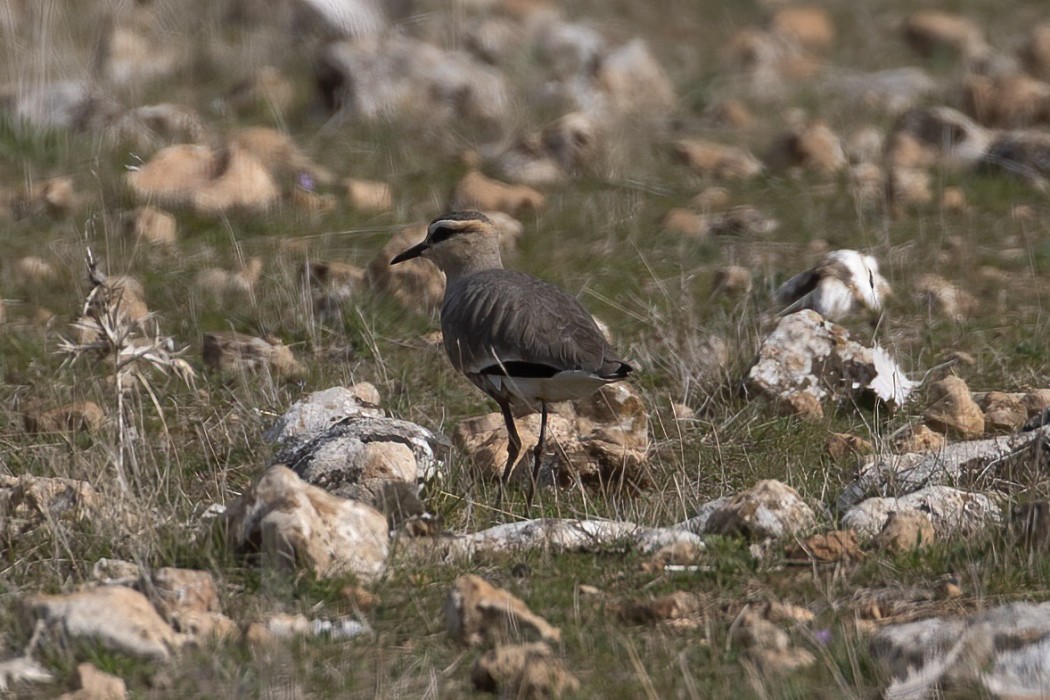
{"x":442,"y":233}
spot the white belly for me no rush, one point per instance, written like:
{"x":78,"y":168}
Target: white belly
{"x":564,"y":386}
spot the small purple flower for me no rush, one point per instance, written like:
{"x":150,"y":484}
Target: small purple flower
{"x":305,"y":181}
{"x":823,"y":636}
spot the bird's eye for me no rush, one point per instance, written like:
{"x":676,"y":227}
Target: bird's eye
{"x":441,"y":233}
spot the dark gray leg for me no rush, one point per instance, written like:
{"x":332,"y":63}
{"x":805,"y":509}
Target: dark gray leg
{"x":513,"y":449}
{"x":539,"y":453}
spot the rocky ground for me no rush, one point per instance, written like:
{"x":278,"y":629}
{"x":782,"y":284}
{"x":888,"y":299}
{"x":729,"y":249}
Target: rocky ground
{"x":235,"y":461}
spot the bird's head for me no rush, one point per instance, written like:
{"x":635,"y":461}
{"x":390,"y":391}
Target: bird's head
{"x":458,"y":241}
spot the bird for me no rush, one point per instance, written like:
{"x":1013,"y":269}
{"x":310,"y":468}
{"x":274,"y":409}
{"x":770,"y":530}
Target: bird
{"x":843,"y":282}
{"x":519,"y":339}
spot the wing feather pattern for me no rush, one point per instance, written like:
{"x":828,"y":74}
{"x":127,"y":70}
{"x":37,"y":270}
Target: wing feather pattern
{"x":502,"y":316}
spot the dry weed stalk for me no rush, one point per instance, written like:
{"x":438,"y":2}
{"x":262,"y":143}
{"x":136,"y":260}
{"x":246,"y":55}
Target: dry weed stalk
{"x":107,"y":333}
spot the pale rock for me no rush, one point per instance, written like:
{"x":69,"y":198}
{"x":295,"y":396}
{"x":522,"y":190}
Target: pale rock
{"x":742,"y":220}
{"x":780,"y":612}
{"x":414,"y":283}
{"x":769,"y":60}
{"x":490,"y":455}
{"x":476,"y":191}
{"x":952,"y":410}
{"x":525,"y":671}
{"x":800,"y":404}
{"x":219,"y":285}
{"x":918,"y":438}
{"x":716,"y":160}
{"x":811,"y":26}
{"x":1007,"y":101}
{"x":679,"y":605}
{"x":176,"y":591}
{"x":79,"y":416}
{"x":893,"y":91}
{"x":928,"y":31}
{"x":711,"y":199}
{"x":561,"y":535}
{"x":120,"y":299}
{"x":679,"y":553}
{"x":634,"y":82}
{"x":1002,"y":651}
{"x":830,"y":546}
{"x":732,"y":113}
{"x":211,"y":182}
{"x":907,"y":187}
{"x":865,"y":144}
{"x":525,"y":161}
{"x":573,"y":141}
{"x":472,"y":433}
{"x":38,"y":498}
{"x":52,"y":105}
{"x":93,"y":684}
{"x":806,"y":355}
{"x":616,"y":413}
{"x":943,"y":298}
{"x":953,"y":199}
{"x":477,"y":611}
{"x":31,"y":270}
{"x":1003,"y":413}
{"x":405,"y":78}
{"x":953,"y":512}
{"x":842,"y":283}
{"x":954,"y":463}
{"x":295,"y":525}
{"x":360,"y":458}
{"x":279,"y":154}
{"x":1035,"y":53}
{"x":770,"y":509}
{"x":150,"y":226}
{"x":1035,"y":402}
{"x":116,"y":571}
{"x":768,"y":646}
{"x":55,"y":196}
{"x":150,"y":127}
{"x":682,"y":412}
{"x":276,"y":627}
{"x":369,"y":196}
{"x":842,"y":445}
{"x":603,"y":441}
{"x":267,"y":89}
{"x":813,"y":146}
{"x":731,"y":280}
{"x":128,"y":55}
{"x":568,"y":48}
{"x":336,"y":441}
{"x":230,"y":351}
{"x":119,"y":618}
{"x":338,"y":280}
{"x":320,"y":410}
{"x":905,"y":531}
{"x":22,"y":669}
{"x":684,"y":222}
{"x":304,"y":198}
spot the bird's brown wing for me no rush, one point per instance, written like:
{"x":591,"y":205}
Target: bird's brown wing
{"x":501,"y":316}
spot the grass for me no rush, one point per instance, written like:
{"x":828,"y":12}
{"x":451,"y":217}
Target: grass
{"x":600,"y":238}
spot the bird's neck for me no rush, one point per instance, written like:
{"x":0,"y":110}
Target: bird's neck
{"x":477,"y":261}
